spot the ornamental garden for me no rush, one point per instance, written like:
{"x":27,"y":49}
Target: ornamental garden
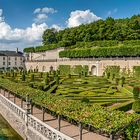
{"x":109,"y":104}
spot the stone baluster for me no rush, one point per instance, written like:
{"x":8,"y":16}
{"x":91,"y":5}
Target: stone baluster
{"x":80,"y":131}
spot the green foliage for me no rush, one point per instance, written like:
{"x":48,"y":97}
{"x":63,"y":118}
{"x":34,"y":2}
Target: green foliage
{"x":32,"y":77}
{"x":136,"y":70}
{"x":117,"y":81}
{"x":41,"y":75}
{"x":41,"y":87}
{"x":131,"y":132}
{"x":77,"y":69}
{"x":31,"y":85}
{"x":108,"y":75}
{"x":69,"y":75}
{"x":109,"y":121}
{"x":102,"y":33}
{"x":85,"y":100}
{"x":46,"y":81}
{"x":27,"y":50}
{"x":123,"y":106}
{"x":136,"y":106}
{"x":64,"y":69}
{"x":113,"y":70}
{"x":125,"y":51}
{"x":122,"y":80}
{"x":57,"y":80}
{"x":49,"y":36}
{"x":23,"y":77}
{"x":136,"y":93}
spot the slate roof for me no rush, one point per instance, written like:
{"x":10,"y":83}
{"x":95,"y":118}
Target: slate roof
{"x":11,"y":53}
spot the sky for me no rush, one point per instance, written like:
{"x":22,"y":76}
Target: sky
{"x":22,"y":22}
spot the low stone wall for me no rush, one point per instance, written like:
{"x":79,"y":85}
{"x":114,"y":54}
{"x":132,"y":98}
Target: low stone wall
{"x":17,"y":124}
{"x":36,"y":129}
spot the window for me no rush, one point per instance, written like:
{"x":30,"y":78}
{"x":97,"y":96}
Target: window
{"x":15,"y":63}
{"x":21,"y":58}
{"x":9,"y":58}
{"x":3,"y":63}
{"x":9,"y":63}
{"x":15,"y":58}
{"x":3,"y":58}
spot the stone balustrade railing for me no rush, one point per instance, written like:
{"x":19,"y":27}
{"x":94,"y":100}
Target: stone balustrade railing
{"x":44,"y":129}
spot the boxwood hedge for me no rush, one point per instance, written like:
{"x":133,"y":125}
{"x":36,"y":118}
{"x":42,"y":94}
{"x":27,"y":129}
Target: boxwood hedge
{"x":125,"y":51}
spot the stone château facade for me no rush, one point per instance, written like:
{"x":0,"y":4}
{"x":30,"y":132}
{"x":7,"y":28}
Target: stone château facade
{"x":11,"y":59}
{"x":44,"y":61}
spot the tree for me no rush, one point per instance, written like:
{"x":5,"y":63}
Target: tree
{"x":49,"y":36}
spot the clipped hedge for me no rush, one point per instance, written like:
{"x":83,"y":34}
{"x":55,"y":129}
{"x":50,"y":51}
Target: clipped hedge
{"x":76,"y":69}
{"x":112,"y":70}
{"x":104,"y":43}
{"x":125,"y":51}
{"x":136,"y":70}
{"x":124,"y":106}
{"x":64,"y":69}
{"x":100,"y":118}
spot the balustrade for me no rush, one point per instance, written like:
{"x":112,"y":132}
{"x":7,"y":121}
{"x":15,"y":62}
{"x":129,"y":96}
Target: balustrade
{"x":35,"y":123}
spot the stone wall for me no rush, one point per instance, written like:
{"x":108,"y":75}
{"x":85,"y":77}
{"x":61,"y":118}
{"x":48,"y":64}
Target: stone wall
{"x":96,"y":66}
{"x":19,"y":125}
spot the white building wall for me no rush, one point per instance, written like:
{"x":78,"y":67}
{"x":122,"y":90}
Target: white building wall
{"x":12,"y":61}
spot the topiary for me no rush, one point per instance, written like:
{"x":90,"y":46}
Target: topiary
{"x":85,"y":100}
{"x":69,"y":75}
{"x":23,"y":77}
{"x":41,"y":87}
{"x":113,"y":76}
{"x":31,"y":85}
{"x":46,"y":81}
{"x":136,"y":93}
{"x":57,"y":80}
{"x":108,"y":75}
{"x":136,"y":106}
{"x":32,"y":77}
{"x":117,"y":81}
{"x":122,"y":81}
{"x":41,"y":74}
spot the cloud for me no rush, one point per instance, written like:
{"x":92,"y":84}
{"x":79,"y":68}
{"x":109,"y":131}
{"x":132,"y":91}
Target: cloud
{"x":57,"y":27}
{"x":109,"y":13}
{"x":81,"y":17}
{"x":45,"y":10}
{"x":21,"y":38}
{"x":42,"y":14}
{"x":40,"y":18}
{"x":1,"y":17}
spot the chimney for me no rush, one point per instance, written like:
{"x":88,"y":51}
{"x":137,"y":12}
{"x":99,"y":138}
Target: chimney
{"x":16,"y":50}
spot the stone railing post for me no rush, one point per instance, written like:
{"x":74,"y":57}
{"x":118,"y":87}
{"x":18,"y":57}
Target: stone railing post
{"x":111,"y":137}
{"x":8,"y":94}
{"x":139,"y":136}
{"x":32,"y":107}
{"x":43,"y":114}
{"x":59,"y":122}
{"x":4,"y":91}
{"x":80,"y":131}
{"x":14,"y":98}
{"x":21,"y":102}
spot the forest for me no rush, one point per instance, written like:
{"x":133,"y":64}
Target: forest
{"x":108,"y":32}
